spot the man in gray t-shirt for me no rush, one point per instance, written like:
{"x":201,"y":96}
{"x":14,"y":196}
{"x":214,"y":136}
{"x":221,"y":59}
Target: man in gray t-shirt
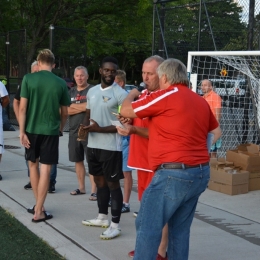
{"x":76,"y":111}
{"x":105,"y":148}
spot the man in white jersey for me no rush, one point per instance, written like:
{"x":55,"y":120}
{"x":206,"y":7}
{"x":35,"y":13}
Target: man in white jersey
{"x":104,"y":147}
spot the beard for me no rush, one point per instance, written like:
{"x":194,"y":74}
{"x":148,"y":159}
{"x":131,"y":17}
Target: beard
{"x":108,"y":80}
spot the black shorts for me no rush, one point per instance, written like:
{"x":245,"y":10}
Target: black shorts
{"x":45,"y":147}
{"x":106,"y":163}
{"x":77,"y":149}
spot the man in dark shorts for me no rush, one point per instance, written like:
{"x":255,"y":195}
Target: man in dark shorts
{"x":76,"y":111}
{"x":42,"y":116}
{"x":105,"y":147}
{"x":16,"y":104}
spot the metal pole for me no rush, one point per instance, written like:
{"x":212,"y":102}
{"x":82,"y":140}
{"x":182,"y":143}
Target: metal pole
{"x":25,"y":43}
{"x":153,"y":43}
{"x":199,"y":26}
{"x":7,"y":43}
{"x":162,"y":34}
{"x":7,"y":71}
{"x":210,"y":25}
{"x":51,"y":36}
{"x":251,"y":25}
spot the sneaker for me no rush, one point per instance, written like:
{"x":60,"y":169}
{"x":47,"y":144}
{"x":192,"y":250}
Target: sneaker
{"x":110,"y":233}
{"x":52,"y":188}
{"x":131,"y":254}
{"x":28,"y":186}
{"x":135,"y":214}
{"x":96,"y":222}
{"x":125,"y":208}
{"x":109,"y":203}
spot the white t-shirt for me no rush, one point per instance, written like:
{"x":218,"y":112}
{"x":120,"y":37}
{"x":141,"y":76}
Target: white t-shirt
{"x":3,"y":93}
{"x":101,"y":103}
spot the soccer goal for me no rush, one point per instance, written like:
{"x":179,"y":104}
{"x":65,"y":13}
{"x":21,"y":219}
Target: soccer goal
{"x":235,"y":76}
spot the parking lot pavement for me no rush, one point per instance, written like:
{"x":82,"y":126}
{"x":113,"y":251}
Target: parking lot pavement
{"x":225,"y":227}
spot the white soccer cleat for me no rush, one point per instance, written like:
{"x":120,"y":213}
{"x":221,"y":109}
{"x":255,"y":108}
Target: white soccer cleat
{"x":96,"y":223}
{"x":111,"y":233}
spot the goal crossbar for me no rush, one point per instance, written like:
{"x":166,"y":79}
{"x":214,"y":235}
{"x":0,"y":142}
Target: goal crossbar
{"x":218,"y":53}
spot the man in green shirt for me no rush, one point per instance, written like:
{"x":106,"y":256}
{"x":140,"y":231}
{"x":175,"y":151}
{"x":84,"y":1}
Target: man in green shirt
{"x":42,"y":116}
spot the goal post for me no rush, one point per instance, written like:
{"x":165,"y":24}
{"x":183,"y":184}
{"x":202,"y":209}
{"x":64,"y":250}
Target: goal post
{"x":235,"y":76}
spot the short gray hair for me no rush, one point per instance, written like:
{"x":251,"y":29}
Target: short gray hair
{"x":174,"y":70}
{"x":156,"y":58}
{"x":81,"y":68}
{"x":34,"y":63}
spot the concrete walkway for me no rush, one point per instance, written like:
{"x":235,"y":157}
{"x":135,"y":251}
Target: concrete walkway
{"x":225,"y":227}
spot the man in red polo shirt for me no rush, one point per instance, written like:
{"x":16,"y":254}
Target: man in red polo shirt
{"x":214,"y":101}
{"x":138,"y":148}
{"x":179,"y":122}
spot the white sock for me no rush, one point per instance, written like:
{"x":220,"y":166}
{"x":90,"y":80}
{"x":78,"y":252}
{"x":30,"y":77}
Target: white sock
{"x":102,"y":216}
{"x":114,"y":225}
{"x":127,"y":204}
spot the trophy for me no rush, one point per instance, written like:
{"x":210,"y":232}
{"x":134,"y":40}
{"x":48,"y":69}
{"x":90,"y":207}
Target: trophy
{"x":82,"y":133}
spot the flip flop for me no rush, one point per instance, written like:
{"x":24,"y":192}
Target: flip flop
{"x":31,"y":210}
{"x":77,"y":192}
{"x":47,"y":216}
{"x":93,"y":197}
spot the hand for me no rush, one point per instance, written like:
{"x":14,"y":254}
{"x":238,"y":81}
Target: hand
{"x":124,"y":120}
{"x":92,"y":127}
{"x":24,"y":140}
{"x":128,"y":130}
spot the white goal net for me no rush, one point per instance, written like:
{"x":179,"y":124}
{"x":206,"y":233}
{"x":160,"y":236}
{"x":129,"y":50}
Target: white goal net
{"x":235,"y":76}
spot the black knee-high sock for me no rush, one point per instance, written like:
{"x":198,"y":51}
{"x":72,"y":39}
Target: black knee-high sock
{"x":116,"y":204}
{"x":103,"y":196}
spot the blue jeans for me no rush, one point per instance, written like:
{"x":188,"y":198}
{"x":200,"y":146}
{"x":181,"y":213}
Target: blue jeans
{"x":53,"y":172}
{"x":171,"y":198}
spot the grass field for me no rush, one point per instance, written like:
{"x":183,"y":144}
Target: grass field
{"x":18,"y":243}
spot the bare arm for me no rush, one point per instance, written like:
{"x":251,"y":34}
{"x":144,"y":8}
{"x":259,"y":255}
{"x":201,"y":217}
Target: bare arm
{"x":77,"y":108}
{"x":63,"y":116}
{"x":217,"y":134}
{"x":16,"y":104}
{"x":22,"y":119}
{"x":5,"y":101}
{"x":218,"y":114}
{"x":126,"y":108}
{"x":87,"y":117}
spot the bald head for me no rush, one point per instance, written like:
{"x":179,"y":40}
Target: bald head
{"x":206,"y":86}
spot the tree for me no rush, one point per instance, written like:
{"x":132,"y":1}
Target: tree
{"x":109,"y":24}
{"x":182,"y":24}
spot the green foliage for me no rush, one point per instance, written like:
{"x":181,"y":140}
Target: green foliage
{"x":87,"y":30}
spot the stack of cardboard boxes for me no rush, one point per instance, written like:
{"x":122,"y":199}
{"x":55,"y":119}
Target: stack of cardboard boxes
{"x":239,"y":173}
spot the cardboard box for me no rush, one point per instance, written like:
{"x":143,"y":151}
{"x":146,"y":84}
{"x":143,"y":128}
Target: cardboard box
{"x":248,"y":161}
{"x":254,"y":181}
{"x":223,"y":175}
{"x":220,"y":161}
{"x":228,"y":189}
{"x":251,"y":148}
